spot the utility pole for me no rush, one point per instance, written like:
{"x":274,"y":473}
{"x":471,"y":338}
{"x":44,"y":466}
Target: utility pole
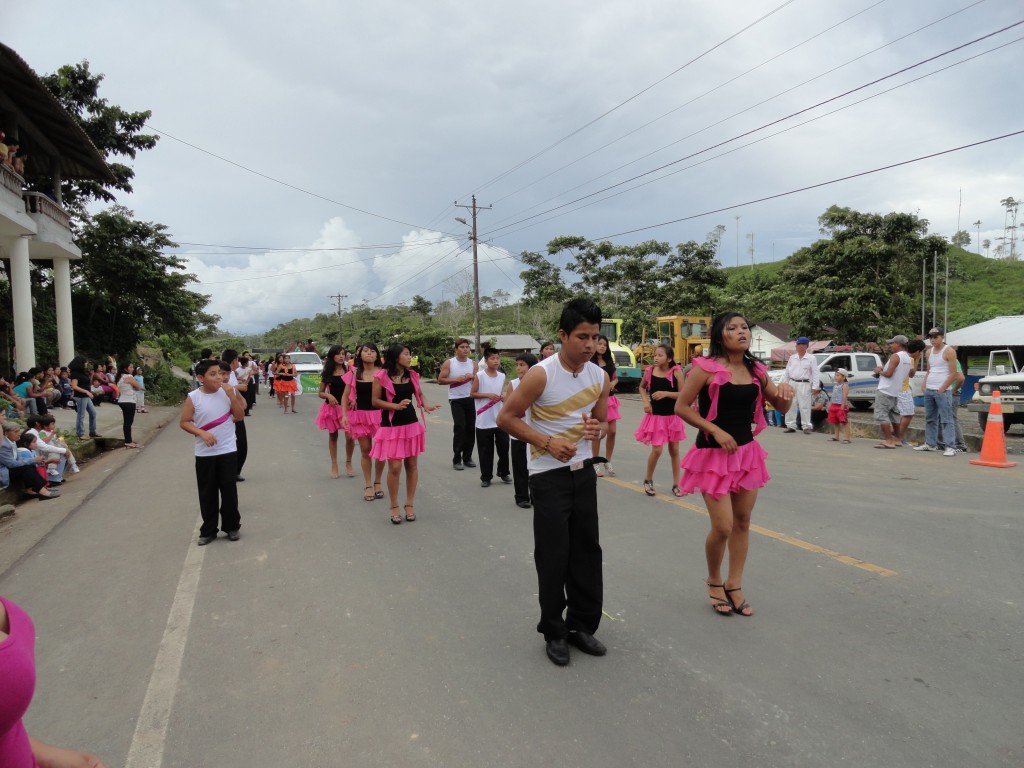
{"x":737,"y":240}
{"x":476,"y":269}
{"x":978,"y":225}
{"x":751,"y":236}
{"x":337,"y":298}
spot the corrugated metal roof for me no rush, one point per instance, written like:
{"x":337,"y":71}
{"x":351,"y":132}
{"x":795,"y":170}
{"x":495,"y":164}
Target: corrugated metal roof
{"x":1004,"y":331}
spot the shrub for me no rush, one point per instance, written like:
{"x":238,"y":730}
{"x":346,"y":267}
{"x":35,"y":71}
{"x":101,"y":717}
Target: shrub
{"x":163,"y":387}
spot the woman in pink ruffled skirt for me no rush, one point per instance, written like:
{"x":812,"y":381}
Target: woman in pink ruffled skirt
{"x":360,"y":419}
{"x":399,"y":441}
{"x":659,"y":388}
{"x":725,"y":463}
{"x":332,"y":392}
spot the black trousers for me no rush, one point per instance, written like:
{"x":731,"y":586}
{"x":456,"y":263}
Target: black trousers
{"x":218,"y":494}
{"x":250,"y":394}
{"x":520,"y":472}
{"x":242,"y":445}
{"x":128,"y":418}
{"x":27,"y":476}
{"x":486,"y":442}
{"x":464,"y":429}
{"x":567,"y":550}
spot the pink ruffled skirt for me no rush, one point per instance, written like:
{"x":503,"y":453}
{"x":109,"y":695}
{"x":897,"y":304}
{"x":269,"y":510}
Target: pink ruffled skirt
{"x":329,"y":417}
{"x":398,"y":442}
{"x":613,"y":408}
{"x":659,"y":430}
{"x":715,"y":472}
{"x":363,"y":423}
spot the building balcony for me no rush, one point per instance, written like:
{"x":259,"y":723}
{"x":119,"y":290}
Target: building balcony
{"x":14,"y":217}
{"x":53,"y":229}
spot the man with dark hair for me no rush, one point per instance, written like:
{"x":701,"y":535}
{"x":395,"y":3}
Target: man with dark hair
{"x":457,"y":373}
{"x":488,"y":390}
{"x":238,"y":378}
{"x":566,"y":397}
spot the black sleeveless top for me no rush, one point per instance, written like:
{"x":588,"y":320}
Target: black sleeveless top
{"x":336,"y":387}
{"x":735,"y":413}
{"x":665,"y":406}
{"x":364,"y":395}
{"x":400,"y":418}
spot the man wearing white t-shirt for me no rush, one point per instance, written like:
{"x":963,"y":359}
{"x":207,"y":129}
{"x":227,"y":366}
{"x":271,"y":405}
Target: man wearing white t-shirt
{"x":890,"y":383}
{"x":457,"y":374}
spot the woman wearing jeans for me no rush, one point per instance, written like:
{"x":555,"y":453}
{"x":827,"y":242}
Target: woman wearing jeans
{"x":81,"y":385}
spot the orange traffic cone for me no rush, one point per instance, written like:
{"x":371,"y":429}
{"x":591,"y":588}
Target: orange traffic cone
{"x":993,"y":446}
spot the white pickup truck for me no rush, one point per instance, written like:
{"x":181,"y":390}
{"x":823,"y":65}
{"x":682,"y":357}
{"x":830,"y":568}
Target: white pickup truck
{"x":1003,"y":375}
{"x":863,"y":381}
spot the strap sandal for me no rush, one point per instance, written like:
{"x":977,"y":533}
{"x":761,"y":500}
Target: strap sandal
{"x":649,"y":487}
{"x":377,"y":492}
{"x":676,"y":492}
{"x":743,"y":609}
{"x":396,"y":519}
{"x":348,"y":469}
{"x":368,"y":496}
{"x":410,"y":516}
{"x":720,"y":606}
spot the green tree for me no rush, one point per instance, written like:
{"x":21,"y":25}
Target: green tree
{"x":961,"y":239}
{"x":542,"y":281}
{"x":695,"y":276}
{"x":863,"y":280}
{"x":125,"y":287}
{"x":421,"y":306}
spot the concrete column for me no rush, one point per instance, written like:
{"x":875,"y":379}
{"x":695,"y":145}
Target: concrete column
{"x":65,"y":324}
{"x":21,"y":301}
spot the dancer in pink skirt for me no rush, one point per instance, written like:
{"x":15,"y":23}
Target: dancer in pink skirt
{"x":400,"y":437}
{"x":660,"y":426}
{"x":332,"y":392}
{"x":603,"y":359}
{"x":726,"y":464}
{"x":360,"y":419}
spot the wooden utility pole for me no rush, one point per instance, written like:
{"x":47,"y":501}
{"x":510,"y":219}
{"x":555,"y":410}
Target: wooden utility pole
{"x":337,"y":298}
{"x":473,"y":208}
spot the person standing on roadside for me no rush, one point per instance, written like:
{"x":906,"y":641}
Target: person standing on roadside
{"x":802,"y":373}
{"x":566,"y":397}
{"x":457,"y":373}
{"x":938,"y":395}
{"x":238,"y":377}
{"x":489,"y":388}
{"x":209,"y":414}
{"x":890,"y":382}
{"x":81,"y":385}
{"x":905,"y":399}
{"x":517,"y":449}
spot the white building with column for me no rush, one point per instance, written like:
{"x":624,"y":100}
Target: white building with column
{"x":34,"y":227}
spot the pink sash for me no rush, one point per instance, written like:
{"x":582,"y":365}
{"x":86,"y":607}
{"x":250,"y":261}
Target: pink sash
{"x":216,"y":422}
{"x":487,"y":407}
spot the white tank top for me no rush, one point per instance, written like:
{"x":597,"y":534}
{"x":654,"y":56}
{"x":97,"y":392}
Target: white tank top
{"x":456,"y":369}
{"x":558,"y":412}
{"x":493,"y":385}
{"x":210,"y":407}
{"x":938,"y":369}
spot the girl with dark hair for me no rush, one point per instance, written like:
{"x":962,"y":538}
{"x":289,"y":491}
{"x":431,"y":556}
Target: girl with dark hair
{"x":547,"y":349}
{"x":126,"y":387}
{"x":360,"y":419}
{"x":725,"y":463}
{"x":399,"y":439}
{"x":285,"y":384}
{"x":603,"y":359}
{"x":332,"y":392}
{"x":81,"y":385}
{"x":659,"y":390}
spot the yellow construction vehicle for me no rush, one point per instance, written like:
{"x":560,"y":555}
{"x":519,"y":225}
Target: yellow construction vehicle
{"x":687,"y":335}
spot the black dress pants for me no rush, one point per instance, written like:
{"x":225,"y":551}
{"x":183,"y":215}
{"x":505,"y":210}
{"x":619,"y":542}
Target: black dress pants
{"x":567,"y":550}
{"x":218,"y":493}
{"x":520,"y":471}
{"x":127,"y":418}
{"x":487,"y":440}
{"x":464,"y":429}
{"x":242,"y":445}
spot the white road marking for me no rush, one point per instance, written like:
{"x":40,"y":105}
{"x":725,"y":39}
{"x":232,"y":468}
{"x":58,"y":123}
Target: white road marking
{"x":147,"y":747}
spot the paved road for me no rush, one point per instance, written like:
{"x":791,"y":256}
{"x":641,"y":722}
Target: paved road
{"x":887,"y":633}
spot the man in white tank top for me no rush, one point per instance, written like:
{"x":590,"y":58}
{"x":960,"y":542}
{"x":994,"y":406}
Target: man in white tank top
{"x":487,"y":394}
{"x":457,"y":374}
{"x":566,"y":397}
{"x":938,"y":395}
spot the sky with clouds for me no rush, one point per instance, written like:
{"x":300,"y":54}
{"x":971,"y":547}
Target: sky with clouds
{"x":315,"y":148}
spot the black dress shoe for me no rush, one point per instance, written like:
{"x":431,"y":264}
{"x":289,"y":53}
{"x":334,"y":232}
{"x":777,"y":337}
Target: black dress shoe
{"x":524,"y":504}
{"x":558,"y":651}
{"x":469,"y":464}
{"x":239,"y":479}
{"x":587,"y":643}
{"x":233,"y":535}
{"x":458,"y":466}
{"x":204,"y":540}
{"x":506,"y":478}
{"x":485,"y":483}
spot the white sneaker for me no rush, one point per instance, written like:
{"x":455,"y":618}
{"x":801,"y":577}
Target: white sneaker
{"x":599,"y":470}
{"x":75,"y":470}
{"x":924,"y":447}
{"x":608,"y":468}
{"x":949,"y":452}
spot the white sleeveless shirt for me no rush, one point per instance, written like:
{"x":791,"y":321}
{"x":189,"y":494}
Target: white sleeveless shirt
{"x":456,"y":369}
{"x":558,"y":412}
{"x":938,"y":369}
{"x":209,"y":407}
{"x":490,"y":385}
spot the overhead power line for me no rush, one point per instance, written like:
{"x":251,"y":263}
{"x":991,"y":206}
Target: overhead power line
{"x":812,"y":186}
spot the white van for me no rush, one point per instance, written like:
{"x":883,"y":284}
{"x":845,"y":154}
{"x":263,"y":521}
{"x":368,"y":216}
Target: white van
{"x":308,"y":368}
